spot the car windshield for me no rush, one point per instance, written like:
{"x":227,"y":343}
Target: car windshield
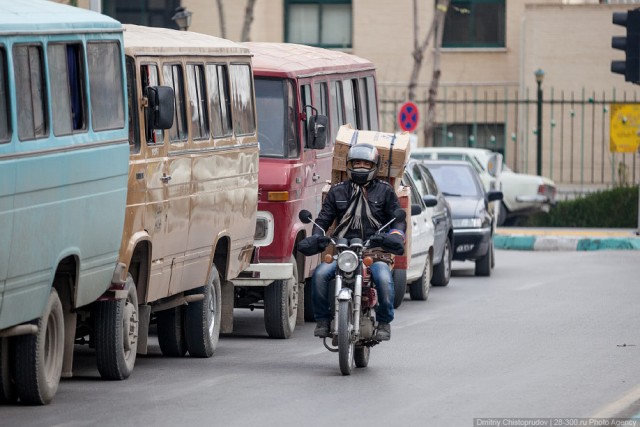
{"x":455,"y":180}
{"x":276,"y":121}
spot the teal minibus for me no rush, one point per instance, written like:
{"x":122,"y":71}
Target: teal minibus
{"x":63,"y":187}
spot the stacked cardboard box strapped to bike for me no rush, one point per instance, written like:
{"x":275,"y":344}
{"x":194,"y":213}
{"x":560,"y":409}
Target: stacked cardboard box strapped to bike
{"x":394,"y":154}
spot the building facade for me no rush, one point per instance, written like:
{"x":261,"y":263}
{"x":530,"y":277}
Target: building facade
{"x":487,"y":92}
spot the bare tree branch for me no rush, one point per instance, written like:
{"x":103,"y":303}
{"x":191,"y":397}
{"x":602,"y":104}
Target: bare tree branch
{"x":248,"y":19}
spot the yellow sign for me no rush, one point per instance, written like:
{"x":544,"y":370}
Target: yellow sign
{"x":624,"y":128}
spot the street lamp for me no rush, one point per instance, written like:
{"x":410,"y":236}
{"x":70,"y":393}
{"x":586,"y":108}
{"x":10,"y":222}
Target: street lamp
{"x":182,"y":18}
{"x":539,"y":73}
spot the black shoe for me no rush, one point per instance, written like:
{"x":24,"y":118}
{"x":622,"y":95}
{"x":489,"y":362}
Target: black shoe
{"x":384,"y":332}
{"x":322,"y":329}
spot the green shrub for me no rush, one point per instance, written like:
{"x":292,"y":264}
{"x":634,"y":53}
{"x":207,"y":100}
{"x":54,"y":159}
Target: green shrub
{"x":615,"y":208}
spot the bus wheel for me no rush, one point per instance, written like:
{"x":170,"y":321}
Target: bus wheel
{"x":281,"y":305}
{"x":7,"y":386}
{"x":171,"y":338}
{"x":38,"y":358}
{"x":202,"y":318}
{"x":116,"y":334}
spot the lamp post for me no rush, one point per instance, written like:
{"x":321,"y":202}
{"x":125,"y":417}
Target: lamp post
{"x":539,"y":74}
{"x":182,"y":18}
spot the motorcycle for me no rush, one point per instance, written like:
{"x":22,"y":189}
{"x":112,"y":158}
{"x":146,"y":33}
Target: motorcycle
{"x":353,"y":328}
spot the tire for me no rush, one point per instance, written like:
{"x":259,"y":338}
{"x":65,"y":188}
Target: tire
{"x":361,"y":356}
{"x":493,"y":255}
{"x":442,"y":271}
{"x":502,"y":214}
{"x":38,"y":358}
{"x":202,"y":319}
{"x":308,"y":302}
{"x":399,"y":287}
{"x":7,"y":385}
{"x":483,"y":264}
{"x":419,"y":290}
{"x":116,"y":334}
{"x":281,"y":306}
{"x":346,"y":346}
{"x":171,"y":335}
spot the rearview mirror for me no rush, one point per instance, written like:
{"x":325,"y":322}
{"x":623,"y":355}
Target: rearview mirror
{"x":494,"y":195}
{"x":317,"y":131}
{"x":416,"y":210}
{"x":305,"y":216}
{"x":399,"y":214}
{"x":430,"y":200}
{"x":161,"y":107}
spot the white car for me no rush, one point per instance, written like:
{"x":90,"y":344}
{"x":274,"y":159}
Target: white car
{"x":523,"y":194}
{"x":422,"y":241}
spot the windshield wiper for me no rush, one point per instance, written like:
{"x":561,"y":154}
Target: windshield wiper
{"x":451,"y":194}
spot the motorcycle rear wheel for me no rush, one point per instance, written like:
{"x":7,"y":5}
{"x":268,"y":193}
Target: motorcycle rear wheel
{"x":346,"y":345}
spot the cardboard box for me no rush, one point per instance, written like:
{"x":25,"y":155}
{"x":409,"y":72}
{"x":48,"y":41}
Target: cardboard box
{"x":399,"y":151}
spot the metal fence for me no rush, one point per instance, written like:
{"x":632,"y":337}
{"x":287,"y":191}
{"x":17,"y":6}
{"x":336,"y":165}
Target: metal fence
{"x":575,"y":130}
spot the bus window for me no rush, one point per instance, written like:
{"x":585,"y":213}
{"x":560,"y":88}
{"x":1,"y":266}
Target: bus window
{"x":5,"y":131}
{"x":219,"y":99}
{"x":350,"y":104}
{"x":173,"y":77}
{"x":305,"y":94}
{"x":336,"y":102}
{"x":134,"y":124}
{"x":150,"y":76}
{"x":372,"y":104}
{"x":67,"y":87}
{"x":105,"y":81}
{"x":323,"y":102}
{"x":275,"y":104}
{"x":244,"y":115}
{"x":198,"y":102}
{"x":30,"y":92}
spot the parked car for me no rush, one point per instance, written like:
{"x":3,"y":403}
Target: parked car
{"x":443,"y":227}
{"x":523,"y":194}
{"x":418,"y":274}
{"x":473,"y":221}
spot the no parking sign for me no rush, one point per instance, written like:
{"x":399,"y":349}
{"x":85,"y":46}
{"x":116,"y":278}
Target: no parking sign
{"x":408,"y":116}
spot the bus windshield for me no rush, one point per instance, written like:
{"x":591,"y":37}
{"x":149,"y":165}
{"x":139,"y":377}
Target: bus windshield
{"x":276,"y":118}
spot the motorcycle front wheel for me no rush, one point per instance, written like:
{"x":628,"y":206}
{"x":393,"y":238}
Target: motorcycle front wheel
{"x":346,"y":344}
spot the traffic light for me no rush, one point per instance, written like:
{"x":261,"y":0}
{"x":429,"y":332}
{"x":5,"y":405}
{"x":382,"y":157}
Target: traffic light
{"x":630,"y":44}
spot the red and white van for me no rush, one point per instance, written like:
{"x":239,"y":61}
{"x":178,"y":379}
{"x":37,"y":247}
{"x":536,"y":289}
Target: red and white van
{"x":293,"y":84}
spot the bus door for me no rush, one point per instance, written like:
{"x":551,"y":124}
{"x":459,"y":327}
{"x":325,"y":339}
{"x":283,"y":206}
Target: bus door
{"x":147,"y":185}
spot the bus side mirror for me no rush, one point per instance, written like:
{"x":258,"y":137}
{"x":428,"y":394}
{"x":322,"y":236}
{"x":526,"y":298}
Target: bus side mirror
{"x":317,"y":131}
{"x":161,"y":107}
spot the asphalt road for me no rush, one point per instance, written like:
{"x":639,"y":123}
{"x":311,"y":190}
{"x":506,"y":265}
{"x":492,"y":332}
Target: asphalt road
{"x":550,"y":334}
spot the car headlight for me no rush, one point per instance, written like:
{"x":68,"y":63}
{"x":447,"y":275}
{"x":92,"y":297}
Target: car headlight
{"x":347,"y":261}
{"x":467,"y":223}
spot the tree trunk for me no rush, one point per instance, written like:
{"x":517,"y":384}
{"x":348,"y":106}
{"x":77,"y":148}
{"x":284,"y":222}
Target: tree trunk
{"x":418,"y":52}
{"x":430,"y":119}
{"x":248,"y":19}
{"x":223,"y":29}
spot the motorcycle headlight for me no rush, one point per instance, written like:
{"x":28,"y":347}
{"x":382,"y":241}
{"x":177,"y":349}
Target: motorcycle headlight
{"x":347,"y":261}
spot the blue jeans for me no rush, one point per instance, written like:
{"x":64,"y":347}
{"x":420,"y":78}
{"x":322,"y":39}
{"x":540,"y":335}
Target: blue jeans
{"x":322,"y":296}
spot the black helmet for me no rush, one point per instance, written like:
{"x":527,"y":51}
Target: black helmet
{"x":366,"y":152}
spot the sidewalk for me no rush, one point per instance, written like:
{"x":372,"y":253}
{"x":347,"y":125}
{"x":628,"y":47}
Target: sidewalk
{"x":565,"y":239}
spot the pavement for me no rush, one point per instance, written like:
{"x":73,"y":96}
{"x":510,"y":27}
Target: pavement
{"x":566,"y":239}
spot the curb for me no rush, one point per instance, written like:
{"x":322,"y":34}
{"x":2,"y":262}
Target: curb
{"x":563,"y":243}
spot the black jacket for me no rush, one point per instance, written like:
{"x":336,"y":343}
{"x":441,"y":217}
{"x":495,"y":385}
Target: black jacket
{"x":382,"y":200}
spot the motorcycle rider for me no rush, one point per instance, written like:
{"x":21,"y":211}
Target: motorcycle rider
{"x":360,"y":206}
